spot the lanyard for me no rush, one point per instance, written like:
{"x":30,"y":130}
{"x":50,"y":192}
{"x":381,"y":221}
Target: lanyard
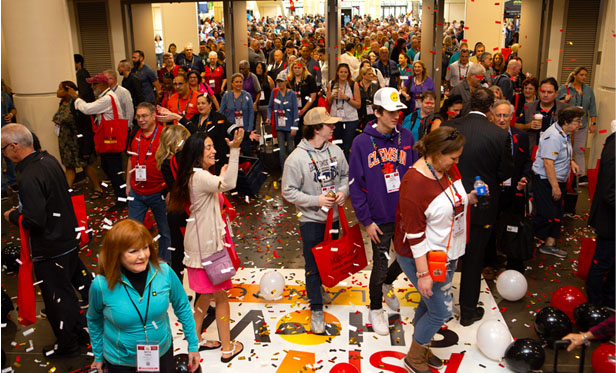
{"x":577,"y":94}
{"x":460,"y":71}
{"x":183,"y":113}
{"x":415,"y":85}
{"x":241,"y":98}
{"x":453,"y":206}
{"x":331,"y":165}
{"x":378,"y":154}
{"x":149,"y":146}
{"x":147,"y":308}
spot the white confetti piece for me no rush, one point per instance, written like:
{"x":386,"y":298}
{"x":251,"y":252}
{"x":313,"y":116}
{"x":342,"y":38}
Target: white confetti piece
{"x":18,"y":261}
{"x":131,"y":153}
{"x":190,"y":219}
{"x":154,"y":324}
{"x":130,"y":198}
{"x":79,"y":229}
{"x":28,"y":332}
{"x":37,"y":283}
{"x":121,"y":199}
{"x":157,"y":237}
{"x":333,"y":231}
{"x":107,"y":227}
{"x":122,"y":186}
{"x":107,"y":221}
{"x":197,"y":169}
{"x":171,"y":248}
{"x":79,"y":135}
{"x":57,"y":215}
{"x":352,"y":328}
{"x":61,"y":324}
{"x":234,"y":193}
{"x":49,"y":352}
{"x":105,"y":185}
{"x":247,"y":199}
{"x":81,"y":287}
{"x":334,"y":249}
{"x":70,"y":190}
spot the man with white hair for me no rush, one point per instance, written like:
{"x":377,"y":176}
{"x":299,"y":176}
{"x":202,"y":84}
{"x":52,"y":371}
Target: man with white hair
{"x":506,"y":79}
{"x":215,"y":75}
{"x":189,"y":60}
{"x":476,"y":74}
{"x":124,"y":97}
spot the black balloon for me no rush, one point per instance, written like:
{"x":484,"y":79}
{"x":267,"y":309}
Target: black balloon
{"x":524,"y":355}
{"x":181,"y":364}
{"x":552,"y":324}
{"x":588,"y":315}
{"x":10,"y":254}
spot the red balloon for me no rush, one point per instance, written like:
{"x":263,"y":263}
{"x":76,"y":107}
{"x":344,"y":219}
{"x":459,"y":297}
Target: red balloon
{"x":345,"y":368}
{"x":604,"y":358}
{"x":566,"y":299}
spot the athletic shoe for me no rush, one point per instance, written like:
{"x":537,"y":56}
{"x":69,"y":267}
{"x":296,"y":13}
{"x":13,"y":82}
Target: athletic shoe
{"x":379,"y":321}
{"x":553,"y":250}
{"x":390,"y":297}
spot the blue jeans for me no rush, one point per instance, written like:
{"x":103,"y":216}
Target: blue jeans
{"x":286,"y":144}
{"x":137,"y":209}
{"x":346,"y":132}
{"x":9,"y":178}
{"x":312,"y":235}
{"x":434,"y":311}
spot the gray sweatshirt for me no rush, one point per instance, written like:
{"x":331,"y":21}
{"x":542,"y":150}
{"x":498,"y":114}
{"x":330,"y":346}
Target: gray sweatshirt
{"x":300,"y":184}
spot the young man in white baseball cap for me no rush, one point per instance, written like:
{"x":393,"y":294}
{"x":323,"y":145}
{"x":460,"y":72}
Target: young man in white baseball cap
{"x":380,"y":157}
{"x":315,"y":179}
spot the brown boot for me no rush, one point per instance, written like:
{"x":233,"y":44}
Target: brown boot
{"x":416,"y":360}
{"x":433,"y":360}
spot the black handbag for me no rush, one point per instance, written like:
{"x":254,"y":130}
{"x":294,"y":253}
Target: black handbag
{"x":515,"y":231}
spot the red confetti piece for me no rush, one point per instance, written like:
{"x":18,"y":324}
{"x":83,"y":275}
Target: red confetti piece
{"x":561,"y":30}
{"x":496,"y":3}
{"x":582,"y":149}
{"x":433,"y":52}
{"x":602,"y":131}
{"x":466,"y":27}
{"x":495,"y":49}
{"x":497,"y":22}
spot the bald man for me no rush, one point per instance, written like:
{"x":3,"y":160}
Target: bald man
{"x":506,"y":79}
{"x":189,"y":59}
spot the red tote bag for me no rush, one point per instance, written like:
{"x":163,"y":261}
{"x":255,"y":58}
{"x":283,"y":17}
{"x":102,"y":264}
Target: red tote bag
{"x":343,"y":257}
{"x":79,"y":205}
{"x":26,"y":299}
{"x":110,"y":135}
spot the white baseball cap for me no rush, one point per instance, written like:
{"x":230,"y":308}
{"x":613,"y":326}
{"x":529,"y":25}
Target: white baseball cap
{"x":389,"y":99}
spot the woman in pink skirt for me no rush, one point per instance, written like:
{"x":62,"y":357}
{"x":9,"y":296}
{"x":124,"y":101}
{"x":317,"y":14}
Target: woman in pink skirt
{"x":205,"y":230}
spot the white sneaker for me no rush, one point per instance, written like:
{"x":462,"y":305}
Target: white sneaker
{"x":390,"y":297}
{"x":317,"y":322}
{"x":379,"y":321}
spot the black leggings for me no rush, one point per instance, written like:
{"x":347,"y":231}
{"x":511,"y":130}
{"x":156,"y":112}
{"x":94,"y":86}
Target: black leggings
{"x":166,"y":364}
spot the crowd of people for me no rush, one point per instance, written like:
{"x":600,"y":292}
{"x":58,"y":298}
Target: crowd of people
{"x":366,"y":129}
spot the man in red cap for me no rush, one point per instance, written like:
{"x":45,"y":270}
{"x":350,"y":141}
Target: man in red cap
{"x":111,"y":163}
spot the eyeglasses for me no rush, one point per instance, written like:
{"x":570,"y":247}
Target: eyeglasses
{"x":502,"y":115}
{"x":6,"y":146}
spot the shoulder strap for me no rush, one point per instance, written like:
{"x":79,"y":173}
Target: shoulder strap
{"x":114,"y":107}
{"x":413,"y":119}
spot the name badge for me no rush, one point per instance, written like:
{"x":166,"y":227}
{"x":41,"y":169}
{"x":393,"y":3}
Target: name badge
{"x":282,"y":120}
{"x":417,"y":103}
{"x":459,"y":224}
{"x":369,"y":110}
{"x":148,"y":357}
{"x":140,"y":173}
{"x":507,"y":183}
{"x":212,"y":83}
{"x":392,"y":182}
{"x":299,"y":100}
{"x":239,"y":119}
{"x":386,"y":81}
{"x":328,"y":189}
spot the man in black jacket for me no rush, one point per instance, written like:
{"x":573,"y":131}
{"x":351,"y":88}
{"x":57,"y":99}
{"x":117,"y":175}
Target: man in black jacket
{"x":487,"y":153}
{"x":47,"y":212}
{"x":131,"y":82}
{"x":600,"y":281}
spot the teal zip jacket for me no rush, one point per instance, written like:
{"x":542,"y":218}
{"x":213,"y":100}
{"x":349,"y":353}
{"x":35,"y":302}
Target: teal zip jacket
{"x":115,"y":327}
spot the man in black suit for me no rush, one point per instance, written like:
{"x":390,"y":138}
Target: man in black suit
{"x":511,"y":190}
{"x":600,"y":282}
{"x":487,"y":153}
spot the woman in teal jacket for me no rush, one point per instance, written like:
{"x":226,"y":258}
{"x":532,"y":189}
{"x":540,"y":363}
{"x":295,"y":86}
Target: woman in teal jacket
{"x":128,"y":304}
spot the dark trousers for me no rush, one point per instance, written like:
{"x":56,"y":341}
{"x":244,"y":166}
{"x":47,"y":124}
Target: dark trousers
{"x":600,"y":281}
{"x":312,"y":235}
{"x":380,"y":272}
{"x":177,"y":220}
{"x":472,"y":263}
{"x":61,"y":304}
{"x":548,"y":213}
{"x":111,"y":163}
{"x":166,"y":364}
{"x":345,"y":131}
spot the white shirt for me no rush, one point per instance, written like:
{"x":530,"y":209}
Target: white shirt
{"x":101,"y":106}
{"x":126,"y":101}
{"x":456,"y":73}
{"x":353,"y":63}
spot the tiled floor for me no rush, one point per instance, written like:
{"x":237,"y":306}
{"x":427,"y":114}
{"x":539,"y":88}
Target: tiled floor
{"x":267,"y":237}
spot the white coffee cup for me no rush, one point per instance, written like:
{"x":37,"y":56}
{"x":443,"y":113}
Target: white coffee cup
{"x":538,"y":116}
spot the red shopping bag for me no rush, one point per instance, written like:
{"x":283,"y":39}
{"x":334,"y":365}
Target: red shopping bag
{"x":585,"y":259}
{"x":79,"y":205}
{"x":343,"y":257}
{"x":26,"y":302}
{"x":110,"y":135}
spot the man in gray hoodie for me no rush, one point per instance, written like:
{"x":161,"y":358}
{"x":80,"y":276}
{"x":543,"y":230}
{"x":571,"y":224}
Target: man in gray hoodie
{"x":315,"y":179}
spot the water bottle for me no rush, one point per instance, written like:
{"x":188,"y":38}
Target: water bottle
{"x":482,"y":193}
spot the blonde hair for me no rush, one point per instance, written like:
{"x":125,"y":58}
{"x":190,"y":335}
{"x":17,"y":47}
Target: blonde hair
{"x":124,"y":235}
{"x":496,"y":89}
{"x":363,"y":71}
{"x":171,"y":141}
{"x":305,"y":72}
{"x":424,"y":73}
{"x":575,"y":71}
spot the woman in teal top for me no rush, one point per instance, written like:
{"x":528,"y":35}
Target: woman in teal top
{"x":577,"y":93}
{"x":128,"y":304}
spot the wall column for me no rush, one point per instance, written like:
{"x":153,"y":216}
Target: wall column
{"x":236,"y":36}
{"x":428,"y":36}
{"x":530,"y":35}
{"x":143,"y":33}
{"x":484,"y":20}
{"x":332,"y":37}
{"x":35,"y":98}
{"x":180,"y":25}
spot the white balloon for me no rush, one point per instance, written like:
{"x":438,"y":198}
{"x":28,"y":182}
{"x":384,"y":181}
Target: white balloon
{"x":493,"y":338}
{"x":271,"y":285}
{"x":511,"y":285}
